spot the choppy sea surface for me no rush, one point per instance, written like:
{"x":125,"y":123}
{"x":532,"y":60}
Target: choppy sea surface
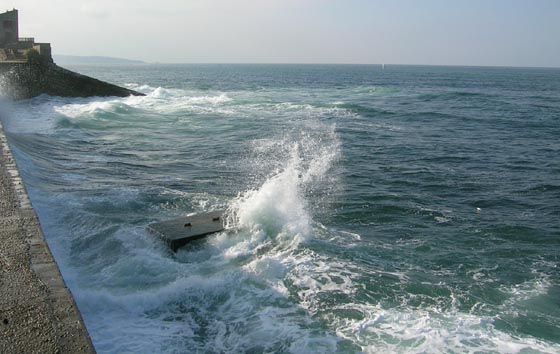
{"x":409,"y":210}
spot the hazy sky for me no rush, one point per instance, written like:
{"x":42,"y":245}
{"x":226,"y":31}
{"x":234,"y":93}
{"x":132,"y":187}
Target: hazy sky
{"x":455,"y":32}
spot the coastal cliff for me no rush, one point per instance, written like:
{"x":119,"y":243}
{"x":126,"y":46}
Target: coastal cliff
{"x":29,"y":79}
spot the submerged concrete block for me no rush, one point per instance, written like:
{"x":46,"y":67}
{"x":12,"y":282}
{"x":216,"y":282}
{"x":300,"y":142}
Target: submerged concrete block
{"x":178,"y":232}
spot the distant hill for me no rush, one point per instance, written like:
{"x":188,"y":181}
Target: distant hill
{"x":93,"y":60}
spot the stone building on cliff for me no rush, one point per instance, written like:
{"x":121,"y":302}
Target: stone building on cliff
{"x":14,"y":48}
{"x":27,"y":70}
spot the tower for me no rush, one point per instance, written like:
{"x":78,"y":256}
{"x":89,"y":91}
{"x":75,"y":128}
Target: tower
{"x":9,"y":32}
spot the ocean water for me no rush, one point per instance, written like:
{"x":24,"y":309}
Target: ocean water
{"x":405,"y":210}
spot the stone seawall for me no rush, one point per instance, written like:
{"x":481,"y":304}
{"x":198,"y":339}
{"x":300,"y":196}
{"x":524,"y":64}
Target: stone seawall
{"x":37,"y":311}
{"x":26,"y":80}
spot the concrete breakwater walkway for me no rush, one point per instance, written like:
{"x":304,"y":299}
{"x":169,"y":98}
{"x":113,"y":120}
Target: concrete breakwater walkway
{"x":37,"y":311}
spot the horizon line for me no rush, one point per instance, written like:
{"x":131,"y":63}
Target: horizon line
{"x":143,"y":62}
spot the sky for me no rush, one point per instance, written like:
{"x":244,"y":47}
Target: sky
{"x":430,"y":32}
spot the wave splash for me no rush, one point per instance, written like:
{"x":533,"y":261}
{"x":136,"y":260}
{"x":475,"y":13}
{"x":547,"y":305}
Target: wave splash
{"x":280,"y":206}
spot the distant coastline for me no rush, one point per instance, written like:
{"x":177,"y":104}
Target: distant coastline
{"x":61,"y":59}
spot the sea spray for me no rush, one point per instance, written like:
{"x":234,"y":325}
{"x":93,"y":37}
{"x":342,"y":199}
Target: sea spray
{"x":280,"y":207}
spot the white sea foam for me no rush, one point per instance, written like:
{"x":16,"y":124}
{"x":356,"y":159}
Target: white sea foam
{"x":43,"y":113}
{"x":430,"y":330}
{"x":87,"y":107}
{"x":32,"y":116}
{"x":379,"y":329}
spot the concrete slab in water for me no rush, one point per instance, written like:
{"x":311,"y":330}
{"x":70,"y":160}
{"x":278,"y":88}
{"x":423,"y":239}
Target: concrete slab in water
{"x":178,"y":232}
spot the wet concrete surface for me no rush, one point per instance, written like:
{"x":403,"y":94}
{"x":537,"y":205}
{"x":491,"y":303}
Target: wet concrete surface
{"x":37,"y":311}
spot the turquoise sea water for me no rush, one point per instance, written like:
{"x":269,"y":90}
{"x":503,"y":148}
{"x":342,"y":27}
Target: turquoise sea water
{"x":407,"y":210}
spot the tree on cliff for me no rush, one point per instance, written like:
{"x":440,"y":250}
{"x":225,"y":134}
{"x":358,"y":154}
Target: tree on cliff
{"x":33,"y":56}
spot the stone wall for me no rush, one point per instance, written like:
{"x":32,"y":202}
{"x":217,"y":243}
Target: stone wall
{"x":40,"y":76}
